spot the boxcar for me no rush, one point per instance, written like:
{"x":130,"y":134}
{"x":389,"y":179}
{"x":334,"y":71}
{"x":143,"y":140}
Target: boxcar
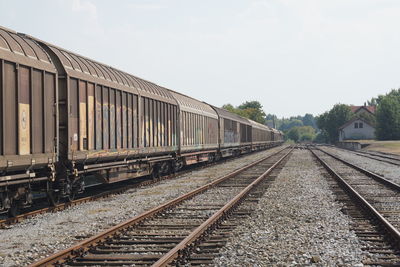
{"x":230,"y":134}
{"x":198,"y":133}
{"x":261,"y":136}
{"x":109,"y":121}
{"x":28,"y":118}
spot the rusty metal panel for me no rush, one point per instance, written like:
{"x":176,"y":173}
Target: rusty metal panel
{"x":24,"y":140}
{"x":163,"y":133}
{"x":72,"y":61}
{"x":10,"y":109}
{"x":183,"y":129}
{"x":37,"y":112}
{"x":124,"y":121}
{"x":3,"y":43}
{"x":155,"y":123}
{"x":118,"y":119}
{"x":15,"y":47}
{"x":83,"y":138}
{"x":168,"y":122}
{"x":91,"y":116}
{"x":24,"y":46}
{"x":129,"y":121}
{"x":174,"y":125}
{"x":50,"y":112}
{"x":112,"y":119}
{"x":158,"y":123}
{"x":74,"y":114}
{"x":151,"y":123}
{"x":135,"y":118}
{"x":1,"y":105}
{"x":146,"y":121}
{"x":106,"y":119}
{"x":142,"y":130}
{"x":99,"y":119}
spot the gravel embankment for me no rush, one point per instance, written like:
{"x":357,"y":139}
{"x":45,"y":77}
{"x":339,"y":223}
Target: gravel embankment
{"x":387,"y":170}
{"x":45,"y":234}
{"x":297,"y":223}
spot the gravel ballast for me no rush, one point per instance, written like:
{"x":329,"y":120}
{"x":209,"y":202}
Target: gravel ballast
{"x":45,"y":234}
{"x":297,"y":222}
{"x":387,"y":170}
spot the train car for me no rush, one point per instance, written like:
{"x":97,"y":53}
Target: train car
{"x":68,"y":122}
{"x":261,"y":136}
{"x":198,"y":135}
{"x":28,"y":119}
{"x":112,"y":125}
{"x":277,"y":136}
{"x":233,"y":138}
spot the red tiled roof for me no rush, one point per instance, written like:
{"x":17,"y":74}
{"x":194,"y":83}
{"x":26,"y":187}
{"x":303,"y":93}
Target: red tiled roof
{"x":371,"y":109}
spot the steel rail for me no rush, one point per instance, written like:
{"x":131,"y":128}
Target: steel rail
{"x":395,"y":234}
{"x":85,"y":245}
{"x":213,"y":220}
{"x":375,"y":176}
{"x":381,"y":158}
{"x":62,"y":206}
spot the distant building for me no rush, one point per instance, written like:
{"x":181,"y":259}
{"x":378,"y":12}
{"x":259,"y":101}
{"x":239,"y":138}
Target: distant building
{"x":358,"y":128}
{"x":359,"y":109}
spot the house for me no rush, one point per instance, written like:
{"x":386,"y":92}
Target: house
{"x":358,"y":127}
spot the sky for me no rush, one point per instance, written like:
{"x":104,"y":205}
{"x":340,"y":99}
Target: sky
{"x":293,"y":56}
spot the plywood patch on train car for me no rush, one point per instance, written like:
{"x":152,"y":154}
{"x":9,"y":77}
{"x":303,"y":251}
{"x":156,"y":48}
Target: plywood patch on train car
{"x":24,"y":129}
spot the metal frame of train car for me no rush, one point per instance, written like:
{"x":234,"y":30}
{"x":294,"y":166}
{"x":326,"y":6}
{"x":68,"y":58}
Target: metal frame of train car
{"x":28,"y":119}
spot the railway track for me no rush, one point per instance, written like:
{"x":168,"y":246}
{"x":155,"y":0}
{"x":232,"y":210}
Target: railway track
{"x":189,"y":228}
{"x":391,"y":159}
{"x":116,"y":189}
{"x":374,"y":204}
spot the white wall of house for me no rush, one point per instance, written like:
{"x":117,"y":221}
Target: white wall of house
{"x":353,"y":131}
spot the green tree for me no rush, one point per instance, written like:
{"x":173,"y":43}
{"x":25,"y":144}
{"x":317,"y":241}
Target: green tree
{"x":388,"y":116}
{"x":331,"y":121}
{"x":321,"y":137}
{"x":301,"y":133}
{"x":250,"y":109}
{"x":308,"y":120}
{"x":293,"y":134}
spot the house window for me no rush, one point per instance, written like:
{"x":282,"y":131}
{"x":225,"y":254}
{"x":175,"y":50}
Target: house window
{"x":360,"y":125}
{"x":356,"y":125}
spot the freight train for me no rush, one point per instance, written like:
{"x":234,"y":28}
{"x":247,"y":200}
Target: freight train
{"x":67,"y":120}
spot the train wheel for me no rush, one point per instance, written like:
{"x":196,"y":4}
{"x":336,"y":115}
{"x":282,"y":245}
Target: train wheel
{"x":13,"y":211}
{"x":156,"y":172}
{"x":53,"y":197}
{"x":71,"y":196}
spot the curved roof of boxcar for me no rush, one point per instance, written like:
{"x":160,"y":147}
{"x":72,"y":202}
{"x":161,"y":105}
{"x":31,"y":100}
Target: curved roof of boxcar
{"x":259,"y":125}
{"x":16,"y":48}
{"x":229,"y":115}
{"x":87,"y":69}
{"x":186,"y":103}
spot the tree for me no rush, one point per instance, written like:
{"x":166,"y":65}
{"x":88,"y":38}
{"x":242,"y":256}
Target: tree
{"x":322,"y":137}
{"x":388,"y":116}
{"x":331,"y":121}
{"x":308,"y":120}
{"x":250,"y":109}
{"x":301,"y":133}
{"x":293,"y":134}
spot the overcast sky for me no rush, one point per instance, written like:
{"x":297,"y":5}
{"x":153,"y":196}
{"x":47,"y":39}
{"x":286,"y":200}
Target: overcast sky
{"x":294,"y":56}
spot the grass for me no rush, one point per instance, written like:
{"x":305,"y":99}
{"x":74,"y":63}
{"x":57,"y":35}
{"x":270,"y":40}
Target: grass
{"x":384,"y":146}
